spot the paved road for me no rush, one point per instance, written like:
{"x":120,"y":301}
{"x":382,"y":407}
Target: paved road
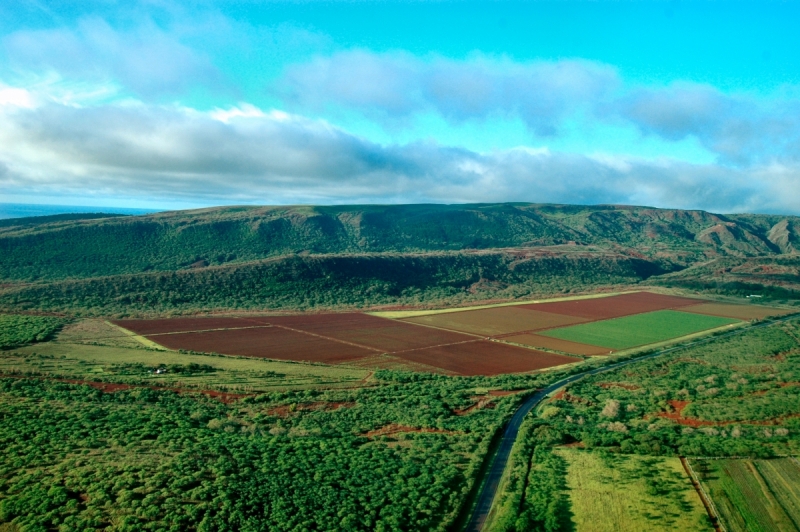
{"x":500,"y":459}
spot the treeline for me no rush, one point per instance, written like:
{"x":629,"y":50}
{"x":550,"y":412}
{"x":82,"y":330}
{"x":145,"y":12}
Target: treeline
{"x":84,"y":248}
{"x":311,"y":282}
{"x":17,"y":330}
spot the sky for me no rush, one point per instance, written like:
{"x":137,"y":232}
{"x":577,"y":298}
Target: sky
{"x":167,"y":104}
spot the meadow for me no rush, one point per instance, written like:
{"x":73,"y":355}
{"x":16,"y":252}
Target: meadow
{"x":630,"y":493}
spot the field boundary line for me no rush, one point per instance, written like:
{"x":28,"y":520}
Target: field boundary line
{"x":208,"y":330}
{"x":439,"y":345}
{"x":400,"y":314}
{"x":379,"y":351}
{"x":711,"y":509}
{"x":139,"y":338}
{"x":438,"y":328}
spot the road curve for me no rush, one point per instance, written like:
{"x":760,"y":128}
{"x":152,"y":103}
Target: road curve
{"x":499,"y":461}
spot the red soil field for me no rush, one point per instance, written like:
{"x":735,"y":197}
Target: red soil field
{"x":169,"y":325}
{"x":534,"y":340}
{"x":265,"y":342}
{"x":740,"y":312}
{"x":495,"y":321}
{"x":614,"y":306}
{"x":378,"y":333}
{"x":485,"y":357}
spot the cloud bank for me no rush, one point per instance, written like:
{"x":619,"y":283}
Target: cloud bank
{"x":244,"y":155}
{"x":739,"y":129}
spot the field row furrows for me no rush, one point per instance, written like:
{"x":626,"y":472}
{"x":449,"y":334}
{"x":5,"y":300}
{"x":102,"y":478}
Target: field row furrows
{"x":753,"y":495}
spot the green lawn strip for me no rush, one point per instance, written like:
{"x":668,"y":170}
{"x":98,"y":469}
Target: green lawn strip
{"x":639,"y":329}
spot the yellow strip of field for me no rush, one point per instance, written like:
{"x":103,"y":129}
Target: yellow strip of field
{"x":399,"y":314}
{"x":630,"y":493}
{"x":141,"y":339}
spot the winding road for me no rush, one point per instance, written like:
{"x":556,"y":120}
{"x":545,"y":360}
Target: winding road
{"x":499,"y":461}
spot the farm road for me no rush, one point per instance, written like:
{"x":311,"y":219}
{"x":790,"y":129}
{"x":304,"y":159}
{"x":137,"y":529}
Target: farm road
{"x":500,"y":460}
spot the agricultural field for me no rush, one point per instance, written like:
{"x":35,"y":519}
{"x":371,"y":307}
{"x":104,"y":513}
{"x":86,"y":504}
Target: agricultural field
{"x":630,"y":493}
{"x":487,"y":340}
{"x":753,"y":495}
{"x":346,"y":338}
{"x":638,"y":330}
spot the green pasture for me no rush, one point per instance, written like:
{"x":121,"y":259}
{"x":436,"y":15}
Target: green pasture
{"x":639,"y":329}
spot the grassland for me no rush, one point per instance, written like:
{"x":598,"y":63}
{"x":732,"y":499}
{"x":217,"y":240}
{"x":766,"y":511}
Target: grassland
{"x":630,"y":493}
{"x":117,"y":364}
{"x":637,"y":330}
{"x":753,"y":495}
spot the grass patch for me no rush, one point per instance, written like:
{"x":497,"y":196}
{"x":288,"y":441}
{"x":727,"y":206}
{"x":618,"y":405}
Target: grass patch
{"x":640,"y":329}
{"x":753,"y":495}
{"x":622,"y":493}
{"x":91,"y":362}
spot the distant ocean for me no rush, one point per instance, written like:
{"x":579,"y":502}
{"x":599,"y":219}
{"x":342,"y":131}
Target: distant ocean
{"x":23,"y":210}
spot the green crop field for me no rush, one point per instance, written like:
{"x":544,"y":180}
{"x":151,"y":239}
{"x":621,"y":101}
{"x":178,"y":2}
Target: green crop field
{"x":640,"y":329}
{"x":630,"y":493}
{"x":753,"y":495}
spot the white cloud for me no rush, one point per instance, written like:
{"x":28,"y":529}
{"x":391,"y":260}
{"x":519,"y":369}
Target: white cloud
{"x":183,"y":155}
{"x":144,"y":59}
{"x":394,"y":86}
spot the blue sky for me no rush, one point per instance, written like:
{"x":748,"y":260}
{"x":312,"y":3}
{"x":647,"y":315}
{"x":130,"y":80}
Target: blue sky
{"x":168,"y":104}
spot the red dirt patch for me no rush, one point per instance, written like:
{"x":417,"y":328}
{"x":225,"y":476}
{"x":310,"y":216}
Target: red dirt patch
{"x":265,"y":342}
{"x":678,"y":418}
{"x":112,"y":387}
{"x":286,"y":410}
{"x":534,"y":340}
{"x":483,"y":357}
{"x":623,"y":385}
{"x":171,"y":325}
{"x":614,"y":306}
{"x":396,"y":429}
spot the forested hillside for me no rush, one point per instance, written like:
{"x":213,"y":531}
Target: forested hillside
{"x":305,"y":257}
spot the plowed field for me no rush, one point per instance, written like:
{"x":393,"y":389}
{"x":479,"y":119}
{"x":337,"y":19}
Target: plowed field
{"x":740,"y":312}
{"x":614,"y":306}
{"x":377,"y":333}
{"x":484,"y":357}
{"x":535,"y":340}
{"x":265,"y":342}
{"x":144,"y":327}
{"x":494,"y":321}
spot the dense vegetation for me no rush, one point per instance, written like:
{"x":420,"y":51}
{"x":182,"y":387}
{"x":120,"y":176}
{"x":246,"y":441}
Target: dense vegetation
{"x":16,"y":330}
{"x":171,"y":241}
{"x":76,"y":458}
{"x":325,"y":257}
{"x":334,"y":282}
